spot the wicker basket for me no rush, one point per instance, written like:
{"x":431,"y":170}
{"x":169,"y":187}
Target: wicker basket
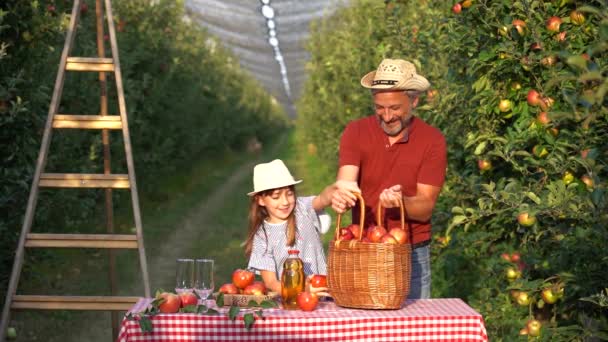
{"x":243,"y":300}
{"x":369,"y":275}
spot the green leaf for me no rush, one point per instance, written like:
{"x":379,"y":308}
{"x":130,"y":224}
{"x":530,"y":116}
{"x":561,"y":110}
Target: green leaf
{"x":220,"y":300}
{"x":212,"y":312}
{"x":577,"y":61}
{"x":189,"y":309}
{"x":260,"y":314}
{"x":479,"y":149}
{"x":233,"y":312}
{"x":458,"y":220}
{"x":252,"y":303}
{"x":201,"y":308}
{"x":145,"y":324}
{"x":457,"y":210}
{"x":249,"y":320}
{"x":533,"y":197}
{"x":269,"y":304}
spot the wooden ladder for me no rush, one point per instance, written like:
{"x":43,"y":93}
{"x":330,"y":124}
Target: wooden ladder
{"x":107,"y":181}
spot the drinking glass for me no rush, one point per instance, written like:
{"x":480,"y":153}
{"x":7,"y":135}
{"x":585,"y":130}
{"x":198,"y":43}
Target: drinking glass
{"x":203,"y":283}
{"x":184,"y":275}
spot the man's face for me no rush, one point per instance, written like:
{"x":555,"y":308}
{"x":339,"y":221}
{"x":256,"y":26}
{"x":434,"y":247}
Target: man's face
{"x":394,"y":111}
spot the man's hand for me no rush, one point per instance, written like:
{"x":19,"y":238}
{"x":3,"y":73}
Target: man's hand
{"x":391,"y":197}
{"x":343,"y":198}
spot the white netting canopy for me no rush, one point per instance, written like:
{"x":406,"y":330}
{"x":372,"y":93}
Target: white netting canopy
{"x":268,"y":37}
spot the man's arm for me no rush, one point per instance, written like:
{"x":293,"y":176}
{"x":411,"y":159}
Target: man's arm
{"x":419,"y":207}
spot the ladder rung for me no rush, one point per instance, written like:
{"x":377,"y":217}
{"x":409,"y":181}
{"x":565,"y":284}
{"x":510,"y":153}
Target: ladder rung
{"x":84,"y":180}
{"x":87,"y":121}
{"x":118,"y":241}
{"x":89,"y":64}
{"x":115,"y":303}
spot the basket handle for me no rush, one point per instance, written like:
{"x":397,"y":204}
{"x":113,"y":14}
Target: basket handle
{"x":361,"y":218}
{"x":403,"y":217}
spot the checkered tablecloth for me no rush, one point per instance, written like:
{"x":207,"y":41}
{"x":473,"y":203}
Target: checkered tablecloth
{"x":419,"y":320}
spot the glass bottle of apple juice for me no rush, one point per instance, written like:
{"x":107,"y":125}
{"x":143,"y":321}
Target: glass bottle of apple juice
{"x":292,"y":279}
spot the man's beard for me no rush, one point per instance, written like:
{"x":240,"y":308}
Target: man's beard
{"x":393,"y":132}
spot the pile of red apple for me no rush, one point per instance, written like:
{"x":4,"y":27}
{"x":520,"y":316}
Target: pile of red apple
{"x":373,"y":234}
{"x":172,"y":302}
{"x":243,"y":282}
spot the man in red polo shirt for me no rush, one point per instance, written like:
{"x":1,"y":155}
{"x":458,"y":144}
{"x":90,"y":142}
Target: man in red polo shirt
{"x":395,"y":156}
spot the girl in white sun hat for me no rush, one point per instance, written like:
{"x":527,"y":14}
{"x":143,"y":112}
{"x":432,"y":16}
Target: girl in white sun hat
{"x":279,"y":221}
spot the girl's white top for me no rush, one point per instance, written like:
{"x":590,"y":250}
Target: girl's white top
{"x":270,"y":242}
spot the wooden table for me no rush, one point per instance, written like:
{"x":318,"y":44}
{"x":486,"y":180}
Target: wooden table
{"x":419,"y":320}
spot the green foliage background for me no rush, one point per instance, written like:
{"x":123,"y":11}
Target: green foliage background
{"x":474,"y":59}
{"x":187,"y":100}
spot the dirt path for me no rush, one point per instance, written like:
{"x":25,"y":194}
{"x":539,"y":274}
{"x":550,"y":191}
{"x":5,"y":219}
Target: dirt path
{"x":161,"y":261}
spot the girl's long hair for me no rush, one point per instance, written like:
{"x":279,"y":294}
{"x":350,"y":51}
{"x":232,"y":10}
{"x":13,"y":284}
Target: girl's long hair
{"x":257,"y":215}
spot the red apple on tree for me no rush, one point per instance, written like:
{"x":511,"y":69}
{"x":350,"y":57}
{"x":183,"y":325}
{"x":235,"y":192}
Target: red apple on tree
{"x":457,"y":8}
{"x":515,"y":257}
{"x":242,"y":278}
{"x":548,"y":296}
{"x":525,"y":219}
{"x":307,"y":301}
{"x":84,"y":8}
{"x":512,"y":273}
{"x":588,"y":181}
{"x":577,"y":17}
{"x":553,"y":24}
{"x":536,"y":46}
{"x":523,"y":299}
{"x":228,"y":288}
{"x":484,"y":164}
{"x":170,"y":304}
{"x":520,"y":26}
{"x":505,"y":257}
{"x":533,"y":327}
{"x":505,"y":105}
{"x":533,"y":97}
{"x":543,"y":118}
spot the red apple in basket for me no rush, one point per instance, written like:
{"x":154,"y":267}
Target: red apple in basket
{"x":388,"y":238}
{"x":188,"y":298}
{"x":170,"y":304}
{"x":356,"y":230}
{"x":242,"y":278}
{"x":345,"y":234}
{"x":253,"y":290}
{"x":307,"y":301}
{"x":318,"y":280}
{"x":375,"y":233}
{"x":399,"y":234}
{"x":228,"y":289}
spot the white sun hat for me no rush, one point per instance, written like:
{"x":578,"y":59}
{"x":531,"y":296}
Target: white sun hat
{"x":271,"y":175}
{"x":396,"y":74}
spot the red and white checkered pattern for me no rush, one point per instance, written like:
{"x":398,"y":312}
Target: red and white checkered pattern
{"x":419,"y":320}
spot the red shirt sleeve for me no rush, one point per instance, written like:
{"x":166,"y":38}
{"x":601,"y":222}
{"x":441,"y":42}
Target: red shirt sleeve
{"x":433,"y":167}
{"x":350,"y":154}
